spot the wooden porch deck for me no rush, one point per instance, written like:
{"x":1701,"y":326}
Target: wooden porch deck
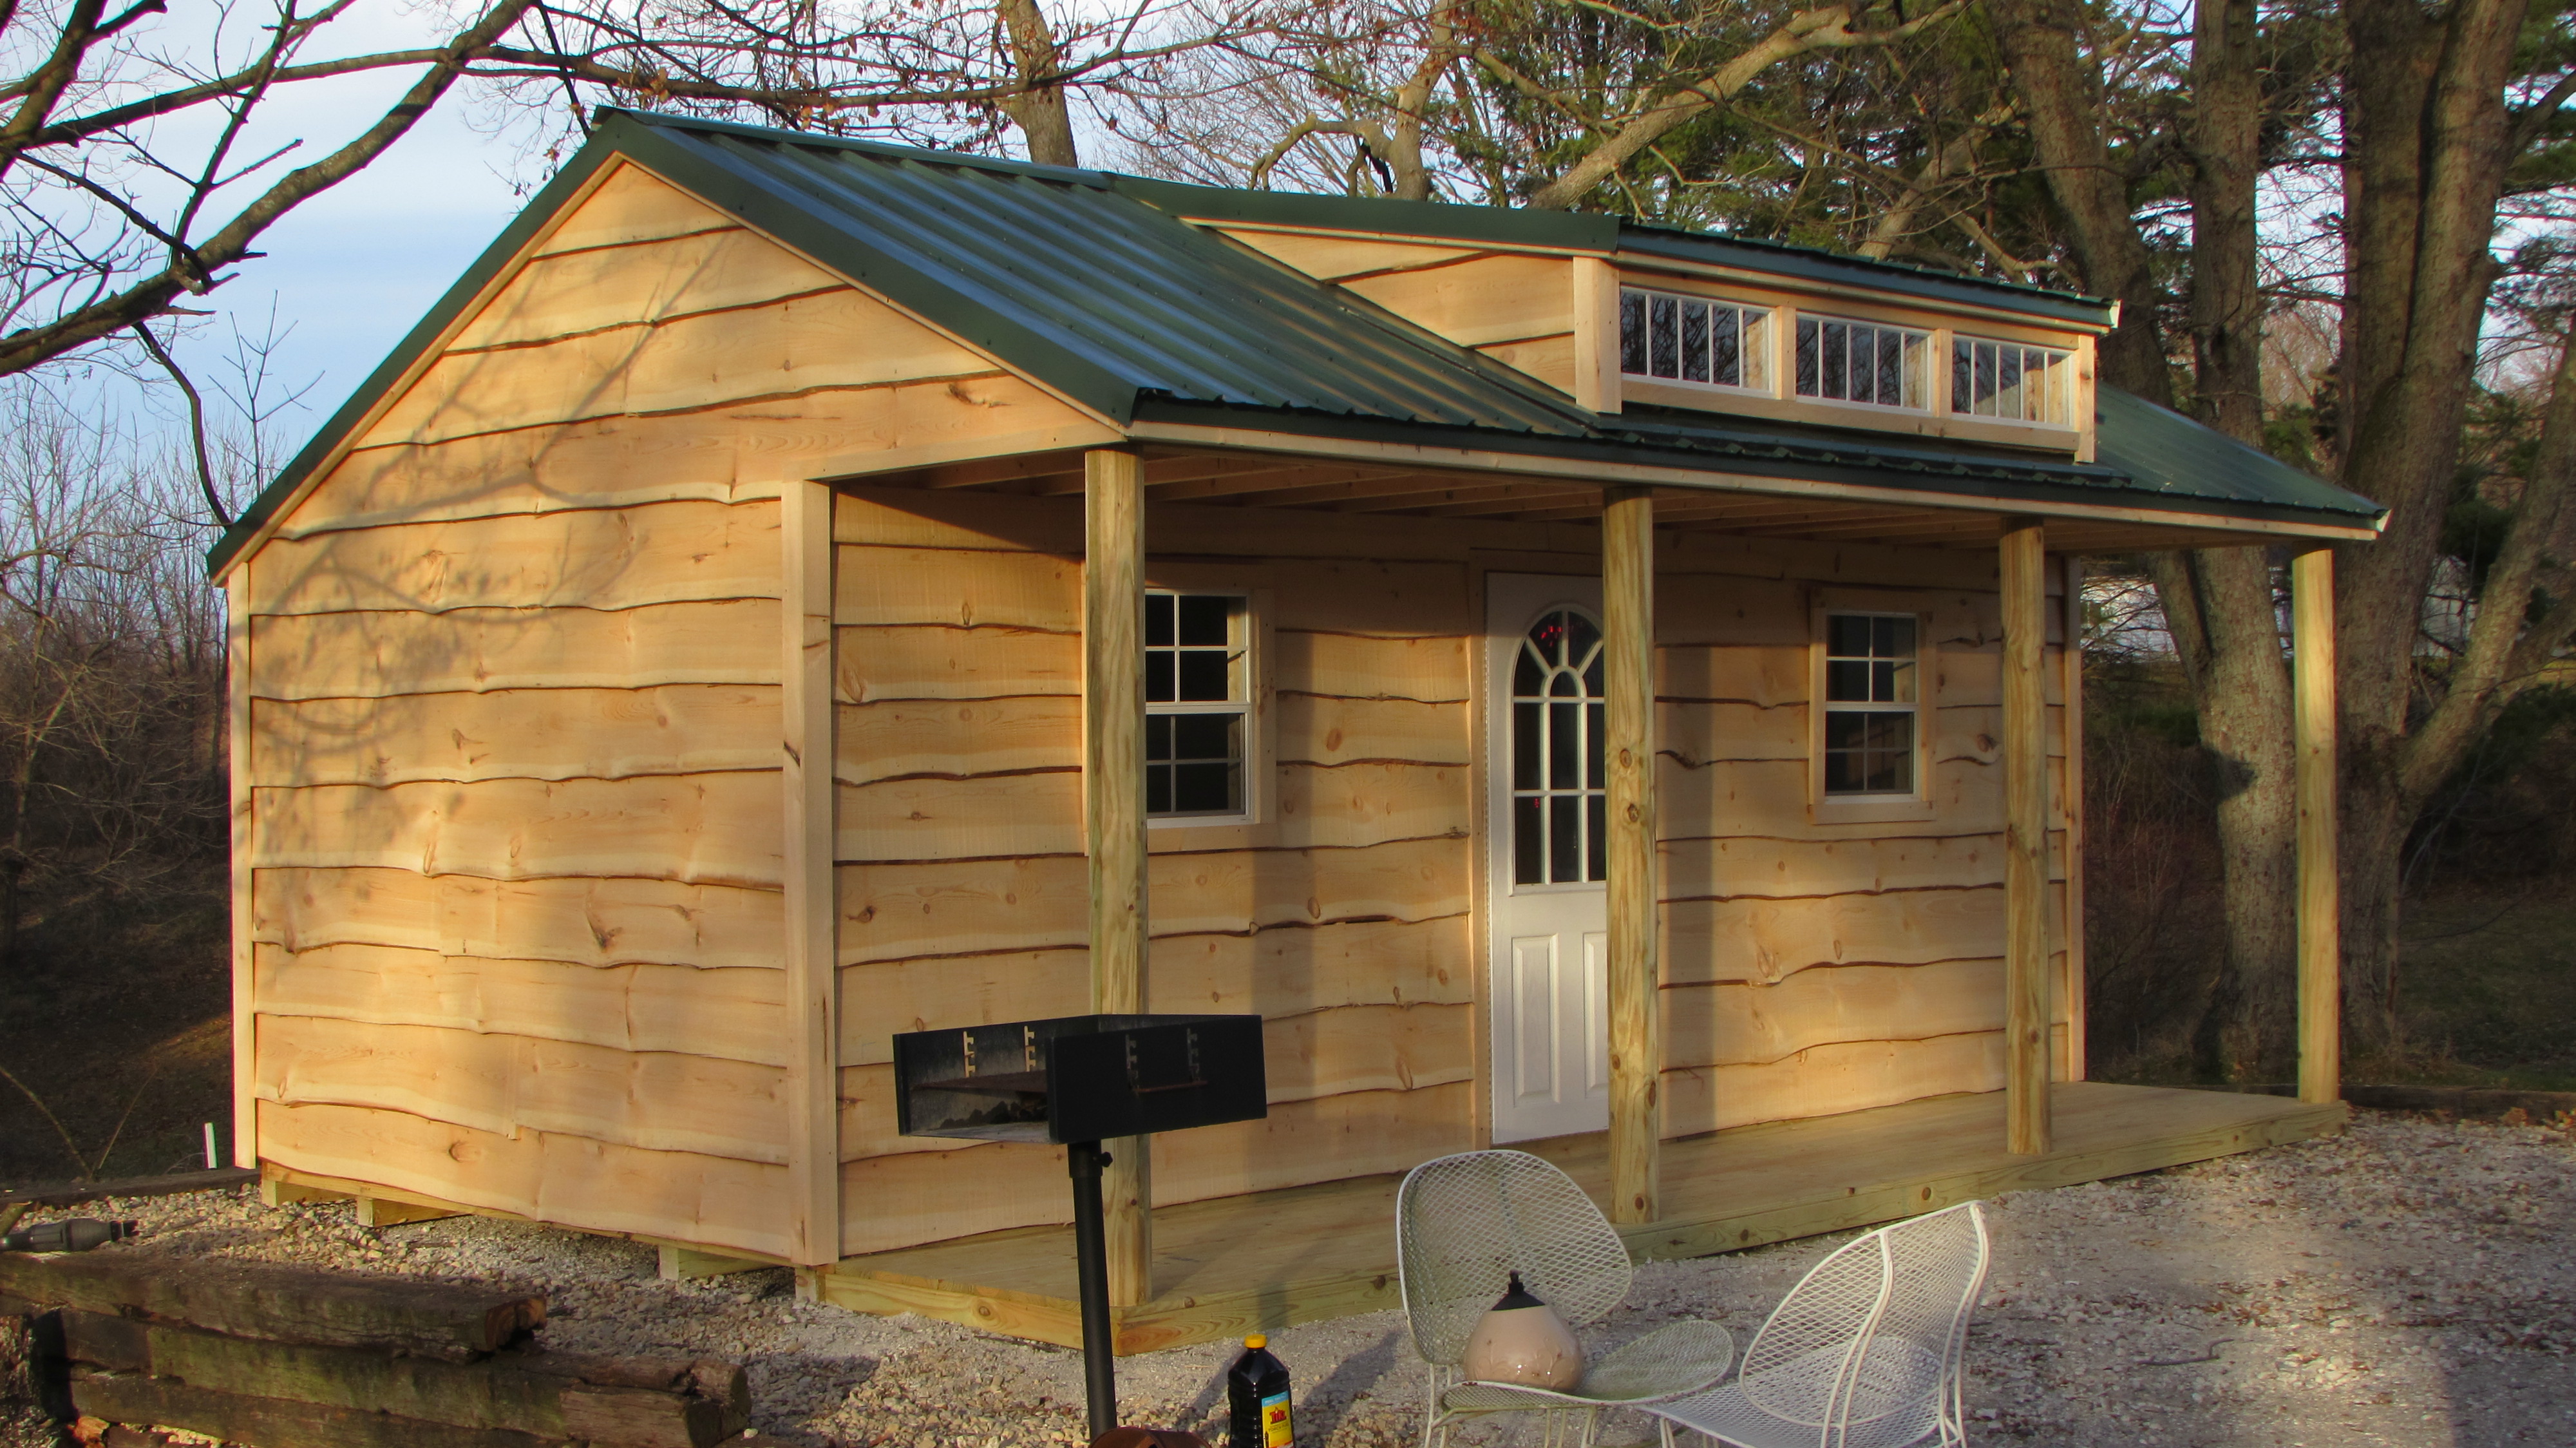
{"x":1253,"y":1263}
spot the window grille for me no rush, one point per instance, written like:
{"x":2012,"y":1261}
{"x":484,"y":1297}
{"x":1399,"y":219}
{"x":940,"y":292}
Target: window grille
{"x":1872,"y":703}
{"x":2008,"y":380}
{"x":1845,"y":361}
{"x":1693,"y":339}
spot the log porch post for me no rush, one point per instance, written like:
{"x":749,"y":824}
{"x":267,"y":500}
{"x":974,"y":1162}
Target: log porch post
{"x":1636,"y":1039}
{"x":805,"y":772}
{"x":1113,"y":778}
{"x":2025,"y":608}
{"x":2312,"y":714}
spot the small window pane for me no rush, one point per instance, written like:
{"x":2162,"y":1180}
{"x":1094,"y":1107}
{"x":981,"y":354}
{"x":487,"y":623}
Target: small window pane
{"x":1158,"y":789}
{"x":1203,"y":619}
{"x":1844,"y":731}
{"x":1204,"y":676}
{"x":1962,"y":377}
{"x":1529,"y":840}
{"x":1206,"y":789}
{"x":1580,"y":636}
{"x":1162,"y":671}
{"x":1864,"y":364}
{"x":1525,"y":732}
{"x":1667,"y":358}
{"x":1632,"y":339}
{"x":1596,"y":854}
{"x":1596,"y":723}
{"x":1836,"y":359}
{"x":2008,"y":382}
{"x":1205,"y":736}
{"x":1565,"y":838}
{"x":1158,"y":737}
{"x":1694,"y":341}
{"x":1564,"y":746}
{"x":1847,"y":682}
{"x":1891,"y":369}
{"x":1986,"y":378}
{"x":1847,"y":633}
{"x":1724,"y":341}
{"x":1807,"y":365}
{"x":1158,"y":620}
{"x":1529,"y":676}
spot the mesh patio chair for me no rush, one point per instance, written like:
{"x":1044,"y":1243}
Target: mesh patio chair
{"x":1865,"y":1352}
{"x":1463,"y":1225}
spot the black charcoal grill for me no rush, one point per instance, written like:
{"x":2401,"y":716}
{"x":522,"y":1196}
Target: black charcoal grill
{"x":1074,"y":1081}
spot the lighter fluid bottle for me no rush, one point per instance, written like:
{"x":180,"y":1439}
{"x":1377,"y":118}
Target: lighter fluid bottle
{"x":1257,"y":1391}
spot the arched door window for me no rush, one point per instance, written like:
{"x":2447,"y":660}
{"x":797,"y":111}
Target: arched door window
{"x":1559,"y":804}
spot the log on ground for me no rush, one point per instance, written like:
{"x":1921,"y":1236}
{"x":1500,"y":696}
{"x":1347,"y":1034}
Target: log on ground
{"x":279,"y":1303}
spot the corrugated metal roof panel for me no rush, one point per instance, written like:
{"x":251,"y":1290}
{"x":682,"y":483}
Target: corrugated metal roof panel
{"x":2165,"y":454}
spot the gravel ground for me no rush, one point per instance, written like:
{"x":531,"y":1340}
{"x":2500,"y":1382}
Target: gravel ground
{"x":2408,"y":1283}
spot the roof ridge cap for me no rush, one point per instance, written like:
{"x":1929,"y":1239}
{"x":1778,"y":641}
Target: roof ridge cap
{"x":662,"y":120}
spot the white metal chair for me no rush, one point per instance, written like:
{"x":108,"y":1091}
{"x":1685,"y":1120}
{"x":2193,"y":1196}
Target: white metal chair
{"x":1463,"y":1225}
{"x":1865,"y":1352}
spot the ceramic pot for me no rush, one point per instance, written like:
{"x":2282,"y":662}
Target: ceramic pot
{"x":1522,"y":1341}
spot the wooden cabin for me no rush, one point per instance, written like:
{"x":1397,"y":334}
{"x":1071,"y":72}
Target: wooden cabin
{"x":1582,"y":683}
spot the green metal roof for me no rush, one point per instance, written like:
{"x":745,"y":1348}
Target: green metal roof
{"x":1095,"y":285}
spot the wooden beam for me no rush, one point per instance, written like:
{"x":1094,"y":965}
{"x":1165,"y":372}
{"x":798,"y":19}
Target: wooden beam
{"x":1636,"y":1040}
{"x":2073,"y":692}
{"x":2025,"y":606}
{"x":1113,"y":775}
{"x":237,"y":743}
{"x":2313,"y":725}
{"x":805,"y":760}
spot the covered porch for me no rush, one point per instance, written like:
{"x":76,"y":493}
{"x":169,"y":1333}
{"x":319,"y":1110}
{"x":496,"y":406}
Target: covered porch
{"x":1268,"y":1260}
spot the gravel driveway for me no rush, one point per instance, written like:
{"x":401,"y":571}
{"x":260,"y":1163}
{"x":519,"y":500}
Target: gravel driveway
{"x":2412,"y":1282}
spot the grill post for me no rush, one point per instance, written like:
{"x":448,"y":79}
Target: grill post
{"x":1083,"y":1161}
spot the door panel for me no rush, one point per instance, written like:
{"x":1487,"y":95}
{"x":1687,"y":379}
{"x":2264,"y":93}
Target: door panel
{"x":1548,"y":942}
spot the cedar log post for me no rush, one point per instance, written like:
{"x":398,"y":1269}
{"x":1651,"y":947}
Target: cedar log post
{"x":805,"y":713}
{"x":1636,"y":1042}
{"x":1113,"y":779}
{"x":2312,"y":713}
{"x":2025,"y":605}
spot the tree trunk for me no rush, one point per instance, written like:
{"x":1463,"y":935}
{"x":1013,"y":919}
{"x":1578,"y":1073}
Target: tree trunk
{"x":1039,"y":109}
{"x":2427,"y":131}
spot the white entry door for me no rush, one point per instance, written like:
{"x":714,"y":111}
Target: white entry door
{"x":1545,"y":803}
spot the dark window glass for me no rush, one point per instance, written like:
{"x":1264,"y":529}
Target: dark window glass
{"x":2008,"y":382}
{"x":1525,"y":732}
{"x":1158,"y":620}
{"x":1985,"y":377}
{"x":1161,"y":678}
{"x":1203,"y":620}
{"x":1847,"y":634}
{"x":1835,"y":355}
{"x":1806,"y":357}
{"x":1204,"y":676}
{"x":1565,"y":838}
{"x":1864,"y":364}
{"x":1596,"y":723}
{"x":1695,"y":341}
{"x":1725,"y":341}
{"x":1596,"y":819}
{"x":1529,"y":840}
{"x":1846,"y":681}
{"x":1564,"y":746}
{"x":1962,"y":377}
{"x":1667,"y":349}
{"x":1891,"y":369}
{"x":1632,"y":339}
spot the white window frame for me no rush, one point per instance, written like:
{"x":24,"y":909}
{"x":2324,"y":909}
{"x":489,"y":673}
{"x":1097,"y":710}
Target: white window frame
{"x":1243,"y":644}
{"x":1755,"y":347}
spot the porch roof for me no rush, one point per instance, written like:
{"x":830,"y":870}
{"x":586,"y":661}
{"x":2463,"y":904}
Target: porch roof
{"x":1099,"y":288}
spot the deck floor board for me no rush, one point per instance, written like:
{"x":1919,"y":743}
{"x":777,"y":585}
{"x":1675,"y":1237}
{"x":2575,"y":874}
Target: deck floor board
{"x":1267,"y":1260}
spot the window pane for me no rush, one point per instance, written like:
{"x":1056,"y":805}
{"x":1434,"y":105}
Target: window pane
{"x":1529,"y":841}
{"x":1565,"y":837}
{"x":2008,"y":382}
{"x":1835,"y":359}
{"x":1596,"y":854}
{"x":1806,"y":357}
{"x":1892,"y":347}
{"x":1632,"y":338}
{"x":1204,"y":676}
{"x":1864,"y":364}
{"x":1158,"y":620}
{"x":1161,"y":673}
{"x":1564,"y":742}
{"x":1667,"y":360}
{"x":1695,"y":341}
{"x":1580,"y":636}
{"x":1529,"y":678}
{"x":1158,"y":789}
{"x":1724,"y":340}
{"x":1844,"y":730}
{"x":1203,"y":618}
{"x":1847,"y":681}
{"x":1899,"y":638}
{"x":1525,"y":738}
{"x":1206,"y":736}
{"x":1962,"y":377}
{"x":1846,"y":634}
{"x":1901,"y":688}
{"x":1563,"y":685}
{"x":1842,"y":773}
{"x":1596,"y":734}
{"x":1206,"y":789}
{"x":1158,"y":736}
{"x":1592,"y":683}
{"x":1986,"y":378}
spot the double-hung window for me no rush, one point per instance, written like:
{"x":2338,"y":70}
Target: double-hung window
{"x":1198,"y":693}
{"x":1693,"y":339}
{"x":1873,"y":694}
{"x":1846,"y":361}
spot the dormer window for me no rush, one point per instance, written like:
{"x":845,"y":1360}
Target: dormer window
{"x":1693,"y":339}
{"x":2012,"y":381}
{"x":1846,"y":361}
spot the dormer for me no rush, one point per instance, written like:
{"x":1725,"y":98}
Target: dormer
{"x":1618,"y":315}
